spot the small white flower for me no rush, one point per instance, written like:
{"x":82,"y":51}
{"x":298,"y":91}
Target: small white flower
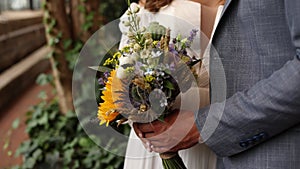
{"x":135,"y":56}
{"x":149,"y":72}
{"x":145,"y":54}
{"x":163,"y":102}
{"x":130,"y":35}
{"x":121,"y":73}
{"x":134,"y":7}
{"x":126,"y":23}
{"x":156,"y":54}
{"x":143,"y":29}
{"x":162,"y":73}
{"x":125,"y":60}
{"x":128,"y":12}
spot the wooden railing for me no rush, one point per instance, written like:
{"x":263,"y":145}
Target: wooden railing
{"x":19,"y":37}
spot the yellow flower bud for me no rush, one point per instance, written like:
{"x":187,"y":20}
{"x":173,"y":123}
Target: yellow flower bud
{"x":136,"y":47}
{"x":148,"y":42}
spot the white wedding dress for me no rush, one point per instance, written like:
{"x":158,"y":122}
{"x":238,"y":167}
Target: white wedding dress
{"x":181,"y":16}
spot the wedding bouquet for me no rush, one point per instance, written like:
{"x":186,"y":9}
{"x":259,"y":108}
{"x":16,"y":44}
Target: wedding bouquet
{"x":140,"y":81}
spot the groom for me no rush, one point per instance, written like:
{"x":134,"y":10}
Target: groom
{"x":258,"y":42}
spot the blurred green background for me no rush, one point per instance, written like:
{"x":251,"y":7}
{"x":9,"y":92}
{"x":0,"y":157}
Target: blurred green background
{"x":39,"y":43}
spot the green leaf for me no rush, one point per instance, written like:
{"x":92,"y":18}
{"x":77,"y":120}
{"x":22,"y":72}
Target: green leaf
{"x":108,"y":159}
{"x":100,"y":68}
{"x":52,"y":23}
{"x":43,"y":119}
{"x":6,"y":144}
{"x":161,"y":118}
{"x":81,"y":8}
{"x":59,"y":35}
{"x":30,"y":162}
{"x":52,"y":116}
{"x":23,"y":148}
{"x":110,"y":167}
{"x":44,"y":79}
{"x":49,"y":30}
{"x":90,"y":16}
{"x":71,"y":144}
{"x":16,"y":167}
{"x":169,"y":85}
{"x":16,"y":123}
{"x":42,"y":95}
{"x":52,"y":158}
{"x":37,"y":154}
{"x":85,"y":142}
{"x":68,"y":156}
{"x":87,"y":26}
{"x":67,"y":43}
{"x":31,"y":125}
{"x":76,"y":164}
{"x":53,"y":41}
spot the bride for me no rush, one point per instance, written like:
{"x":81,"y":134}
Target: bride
{"x":203,"y":14}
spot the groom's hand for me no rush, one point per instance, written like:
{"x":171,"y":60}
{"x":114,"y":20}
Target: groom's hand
{"x":170,"y":135}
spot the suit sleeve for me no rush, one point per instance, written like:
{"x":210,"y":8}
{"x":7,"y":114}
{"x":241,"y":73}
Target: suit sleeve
{"x":267,"y":109}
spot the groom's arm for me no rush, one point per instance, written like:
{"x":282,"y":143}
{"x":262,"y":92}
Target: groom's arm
{"x":265,"y":110}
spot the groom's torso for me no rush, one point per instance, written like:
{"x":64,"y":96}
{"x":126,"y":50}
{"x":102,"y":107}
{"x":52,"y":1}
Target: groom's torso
{"x":253,"y":41}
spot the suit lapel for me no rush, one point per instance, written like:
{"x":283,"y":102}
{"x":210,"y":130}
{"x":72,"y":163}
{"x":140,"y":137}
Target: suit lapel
{"x":226,"y":5}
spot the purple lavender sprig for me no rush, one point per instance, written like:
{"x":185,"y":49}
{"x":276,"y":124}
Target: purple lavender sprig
{"x":191,"y":38}
{"x":104,"y":79}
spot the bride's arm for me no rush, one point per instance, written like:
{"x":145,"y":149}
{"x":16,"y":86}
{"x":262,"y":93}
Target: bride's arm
{"x":199,"y":93}
{"x":189,"y":98}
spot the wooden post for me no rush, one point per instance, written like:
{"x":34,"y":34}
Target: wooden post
{"x":62,"y":73}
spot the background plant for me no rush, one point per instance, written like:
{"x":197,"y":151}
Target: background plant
{"x":58,"y":141}
{"x":56,"y":138}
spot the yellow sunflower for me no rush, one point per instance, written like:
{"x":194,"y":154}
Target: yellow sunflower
{"x":107,"y":111}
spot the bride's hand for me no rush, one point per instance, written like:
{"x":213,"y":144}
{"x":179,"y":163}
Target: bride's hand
{"x":178,"y":131}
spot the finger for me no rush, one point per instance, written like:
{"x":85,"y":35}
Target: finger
{"x":160,"y":149}
{"x":162,"y":143}
{"x":158,"y":137}
{"x":150,"y":135}
{"x":147,"y":144}
{"x":138,"y":132}
{"x":146,"y":127}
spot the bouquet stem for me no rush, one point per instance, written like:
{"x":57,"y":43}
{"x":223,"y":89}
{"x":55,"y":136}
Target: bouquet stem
{"x":172,"y":161}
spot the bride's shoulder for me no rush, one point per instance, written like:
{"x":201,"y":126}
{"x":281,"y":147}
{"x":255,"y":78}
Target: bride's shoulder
{"x":182,"y":6}
{"x":184,"y":3}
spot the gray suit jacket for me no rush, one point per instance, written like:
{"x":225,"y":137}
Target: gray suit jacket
{"x":258,"y":43}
